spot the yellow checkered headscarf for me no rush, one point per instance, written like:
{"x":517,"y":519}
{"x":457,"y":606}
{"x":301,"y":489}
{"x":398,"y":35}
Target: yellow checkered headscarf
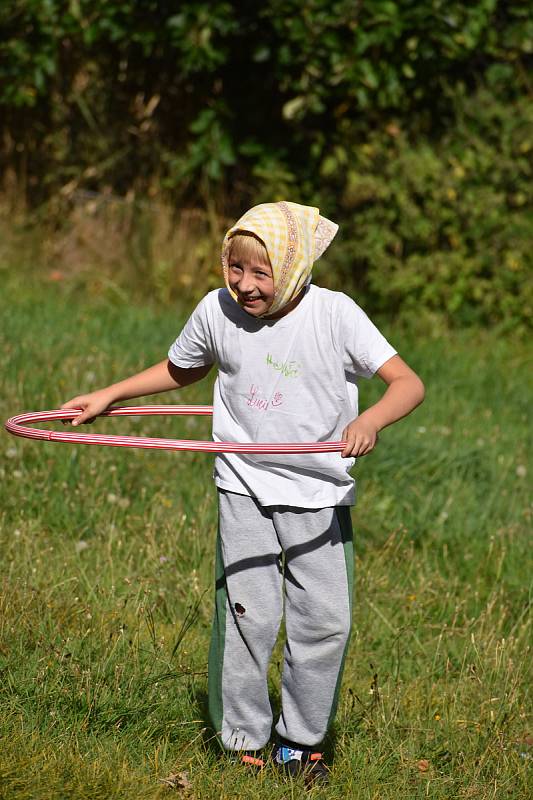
{"x":294,"y":237}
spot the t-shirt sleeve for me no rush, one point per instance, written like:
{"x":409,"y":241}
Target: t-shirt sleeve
{"x":364,"y":347}
{"x":194,"y":346}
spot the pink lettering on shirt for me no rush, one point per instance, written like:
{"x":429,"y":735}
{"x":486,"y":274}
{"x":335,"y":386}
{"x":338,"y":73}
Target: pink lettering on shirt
{"x":254,"y":399}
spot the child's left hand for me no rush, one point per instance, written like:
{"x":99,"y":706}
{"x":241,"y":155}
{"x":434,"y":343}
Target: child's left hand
{"x":361,"y":437}
{"x":405,"y":391}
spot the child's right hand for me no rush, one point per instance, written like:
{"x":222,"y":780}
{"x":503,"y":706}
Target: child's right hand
{"x":91,"y":404}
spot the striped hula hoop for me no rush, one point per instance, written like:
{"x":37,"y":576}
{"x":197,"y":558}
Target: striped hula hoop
{"x":18,"y":427}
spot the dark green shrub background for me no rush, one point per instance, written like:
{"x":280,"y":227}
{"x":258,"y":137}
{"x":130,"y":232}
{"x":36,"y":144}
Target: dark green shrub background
{"x":408,"y":122}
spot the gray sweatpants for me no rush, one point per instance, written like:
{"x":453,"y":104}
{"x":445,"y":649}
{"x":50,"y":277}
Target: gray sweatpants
{"x":267,"y":554}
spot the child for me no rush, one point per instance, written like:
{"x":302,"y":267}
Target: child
{"x":288,"y":355}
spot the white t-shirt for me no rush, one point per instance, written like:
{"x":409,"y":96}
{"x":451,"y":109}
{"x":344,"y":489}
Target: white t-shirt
{"x":288,"y":380}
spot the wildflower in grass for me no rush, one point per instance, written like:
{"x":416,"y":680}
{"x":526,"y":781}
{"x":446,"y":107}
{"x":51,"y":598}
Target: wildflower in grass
{"x":521,"y":471}
{"x":56,"y":276}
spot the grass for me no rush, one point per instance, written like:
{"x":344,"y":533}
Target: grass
{"x":107,"y":561}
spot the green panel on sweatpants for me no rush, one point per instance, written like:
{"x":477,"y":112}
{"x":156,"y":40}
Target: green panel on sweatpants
{"x":345,"y":523}
{"x":216,"y":649}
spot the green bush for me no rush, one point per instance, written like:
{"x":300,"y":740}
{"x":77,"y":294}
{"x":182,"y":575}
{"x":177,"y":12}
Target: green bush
{"x":211,"y":94}
{"x":443,"y":227}
{"x":409,"y":122}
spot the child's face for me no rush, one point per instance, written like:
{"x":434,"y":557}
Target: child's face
{"x":253,"y":283}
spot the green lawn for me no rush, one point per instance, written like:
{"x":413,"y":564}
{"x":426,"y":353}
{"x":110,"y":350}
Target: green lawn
{"x":107,"y":561}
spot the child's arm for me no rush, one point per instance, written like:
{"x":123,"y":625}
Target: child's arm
{"x":405,"y":391}
{"x":161,"y":377}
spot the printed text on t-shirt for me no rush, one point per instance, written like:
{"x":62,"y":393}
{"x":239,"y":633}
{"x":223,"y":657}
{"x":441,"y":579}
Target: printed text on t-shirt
{"x":289,"y":369}
{"x":255,"y":400}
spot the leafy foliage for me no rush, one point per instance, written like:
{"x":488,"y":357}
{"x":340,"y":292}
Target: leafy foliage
{"x":440,"y":228}
{"x":412,"y":115}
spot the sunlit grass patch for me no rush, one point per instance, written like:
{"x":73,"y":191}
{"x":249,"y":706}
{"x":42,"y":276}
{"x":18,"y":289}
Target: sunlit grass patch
{"x":107,"y":560}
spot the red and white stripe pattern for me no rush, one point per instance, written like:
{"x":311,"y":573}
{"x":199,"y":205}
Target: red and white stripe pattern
{"x":18,"y":427}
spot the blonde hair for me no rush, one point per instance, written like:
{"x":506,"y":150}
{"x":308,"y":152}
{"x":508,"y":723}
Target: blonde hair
{"x":248,"y":247}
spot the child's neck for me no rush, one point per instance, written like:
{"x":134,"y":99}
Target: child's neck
{"x":288,"y":308}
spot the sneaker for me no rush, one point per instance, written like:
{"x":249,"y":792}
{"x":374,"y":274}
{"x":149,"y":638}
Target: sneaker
{"x":293,"y":762}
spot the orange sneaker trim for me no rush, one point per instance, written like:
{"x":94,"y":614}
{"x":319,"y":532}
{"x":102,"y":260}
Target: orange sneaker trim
{"x":255,"y":762}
